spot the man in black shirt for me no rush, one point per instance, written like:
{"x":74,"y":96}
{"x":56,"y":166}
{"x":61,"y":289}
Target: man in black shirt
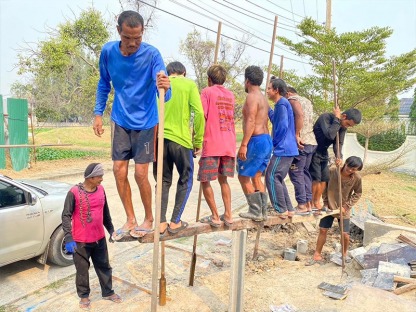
{"x":326,"y":128}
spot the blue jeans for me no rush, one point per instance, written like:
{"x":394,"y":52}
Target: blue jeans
{"x":299,"y":174}
{"x":275,"y":176}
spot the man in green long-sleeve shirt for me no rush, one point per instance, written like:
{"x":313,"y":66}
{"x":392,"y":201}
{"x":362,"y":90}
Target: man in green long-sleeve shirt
{"x":179,"y":144}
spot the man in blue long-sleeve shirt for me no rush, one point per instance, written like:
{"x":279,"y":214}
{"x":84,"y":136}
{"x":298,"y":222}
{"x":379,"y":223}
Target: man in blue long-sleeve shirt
{"x":284,"y":148}
{"x":135,"y":69}
{"x":326,"y":128}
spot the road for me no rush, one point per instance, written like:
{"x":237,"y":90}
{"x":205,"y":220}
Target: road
{"x":25,"y":277}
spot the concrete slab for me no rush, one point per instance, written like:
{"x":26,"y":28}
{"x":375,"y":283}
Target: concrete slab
{"x":374,"y":229}
{"x":394,"y":268}
{"x":356,"y":252}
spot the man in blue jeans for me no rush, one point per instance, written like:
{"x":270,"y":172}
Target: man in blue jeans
{"x":299,"y":170}
{"x":284,"y":148}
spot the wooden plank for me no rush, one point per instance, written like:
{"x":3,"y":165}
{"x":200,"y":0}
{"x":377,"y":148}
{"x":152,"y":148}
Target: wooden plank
{"x":309,"y":227}
{"x":406,"y":280}
{"x":238,"y":224}
{"x":404,"y":289}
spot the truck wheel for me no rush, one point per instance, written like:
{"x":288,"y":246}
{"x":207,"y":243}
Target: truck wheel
{"x":57,"y":253}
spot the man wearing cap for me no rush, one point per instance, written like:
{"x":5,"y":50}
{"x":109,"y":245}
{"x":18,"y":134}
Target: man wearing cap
{"x":84,"y":217}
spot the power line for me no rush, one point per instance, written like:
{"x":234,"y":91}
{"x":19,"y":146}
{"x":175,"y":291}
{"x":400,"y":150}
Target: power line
{"x":276,"y":6}
{"x":214,"y":31}
{"x":238,"y":28}
{"x":236,"y":6}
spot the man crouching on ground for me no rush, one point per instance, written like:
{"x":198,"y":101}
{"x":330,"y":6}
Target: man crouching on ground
{"x":85,"y":212}
{"x":351,"y":189}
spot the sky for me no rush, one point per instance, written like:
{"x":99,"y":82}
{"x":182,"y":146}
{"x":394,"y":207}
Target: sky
{"x":24,"y":22}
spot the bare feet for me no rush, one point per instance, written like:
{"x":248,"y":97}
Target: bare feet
{"x":85,"y":303}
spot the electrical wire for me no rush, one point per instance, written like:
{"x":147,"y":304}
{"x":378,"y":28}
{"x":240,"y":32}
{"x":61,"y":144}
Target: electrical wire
{"x":236,"y":6}
{"x":276,"y":6}
{"x":240,"y":29}
{"x":214,"y":31}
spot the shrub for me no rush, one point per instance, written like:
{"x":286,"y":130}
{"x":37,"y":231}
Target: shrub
{"x":386,"y":142}
{"x":43,"y":154}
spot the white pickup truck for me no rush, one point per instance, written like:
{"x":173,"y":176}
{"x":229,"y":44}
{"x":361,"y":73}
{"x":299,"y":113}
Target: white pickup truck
{"x":30,"y":221}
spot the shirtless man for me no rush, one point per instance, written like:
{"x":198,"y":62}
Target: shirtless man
{"x":256,"y":146}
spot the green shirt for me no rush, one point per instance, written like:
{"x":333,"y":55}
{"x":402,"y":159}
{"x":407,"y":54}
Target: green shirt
{"x":185,"y":98}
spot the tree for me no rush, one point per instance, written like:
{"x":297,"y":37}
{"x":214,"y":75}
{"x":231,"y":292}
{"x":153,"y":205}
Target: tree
{"x":365,"y":77}
{"x":393,"y":106}
{"x":200,"y":52}
{"x":62,"y":71}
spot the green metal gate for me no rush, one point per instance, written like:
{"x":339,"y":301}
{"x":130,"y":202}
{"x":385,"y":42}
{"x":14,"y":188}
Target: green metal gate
{"x":2,"y":138}
{"x":17,"y":110}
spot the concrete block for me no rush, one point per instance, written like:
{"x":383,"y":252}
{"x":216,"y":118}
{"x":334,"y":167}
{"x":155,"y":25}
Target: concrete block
{"x":394,"y":268}
{"x":373,"y":229}
{"x":356,"y":252}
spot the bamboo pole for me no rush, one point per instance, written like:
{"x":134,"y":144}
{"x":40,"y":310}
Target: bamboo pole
{"x":271,"y":53}
{"x":194,"y":255}
{"x":33,"y":132}
{"x":217,"y":44}
{"x":281,"y":67}
{"x":155,"y":272}
{"x":338,"y":156}
{"x":256,"y":244}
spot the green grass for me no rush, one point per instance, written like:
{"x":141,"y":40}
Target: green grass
{"x":77,"y":136}
{"x":45,"y":154}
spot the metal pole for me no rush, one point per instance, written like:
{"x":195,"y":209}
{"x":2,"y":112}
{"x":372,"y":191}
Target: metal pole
{"x":238,"y":262}
{"x":159,"y":177}
{"x":271,"y":52}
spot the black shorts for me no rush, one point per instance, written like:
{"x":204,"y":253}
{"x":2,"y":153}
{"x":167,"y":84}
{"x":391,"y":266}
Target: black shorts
{"x":319,"y":169}
{"x":326,"y":223}
{"x":138,"y":145}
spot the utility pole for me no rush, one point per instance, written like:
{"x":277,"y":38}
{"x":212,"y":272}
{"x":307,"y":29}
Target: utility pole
{"x":328,"y":27}
{"x":328,"y":14}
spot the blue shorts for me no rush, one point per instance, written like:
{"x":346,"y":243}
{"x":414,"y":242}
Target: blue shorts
{"x":259,"y":151}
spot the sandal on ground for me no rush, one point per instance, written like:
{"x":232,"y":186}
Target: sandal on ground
{"x":225,"y":221}
{"x":183,"y":226}
{"x":114,"y":298}
{"x":208,"y":219}
{"x":139,"y":232}
{"x":313,"y":261}
{"x":85,"y":305}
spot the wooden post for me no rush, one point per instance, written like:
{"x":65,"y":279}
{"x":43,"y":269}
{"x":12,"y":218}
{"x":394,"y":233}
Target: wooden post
{"x":33,"y":132}
{"x":338,"y":156}
{"x":155,"y":272}
{"x":217,"y":45}
{"x":238,"y":262}
{"x":193,"y":260}
{"x":271,"y":53}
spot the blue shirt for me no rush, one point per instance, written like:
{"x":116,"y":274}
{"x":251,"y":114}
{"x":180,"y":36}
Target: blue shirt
{"x":283,"y":132}
{"x":134,"y":80}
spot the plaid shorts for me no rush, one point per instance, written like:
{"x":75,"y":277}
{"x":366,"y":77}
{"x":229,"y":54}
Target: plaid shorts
{"x":210,"y":167}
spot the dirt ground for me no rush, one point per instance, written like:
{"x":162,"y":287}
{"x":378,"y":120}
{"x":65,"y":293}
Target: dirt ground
{"x":269,"y":280}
